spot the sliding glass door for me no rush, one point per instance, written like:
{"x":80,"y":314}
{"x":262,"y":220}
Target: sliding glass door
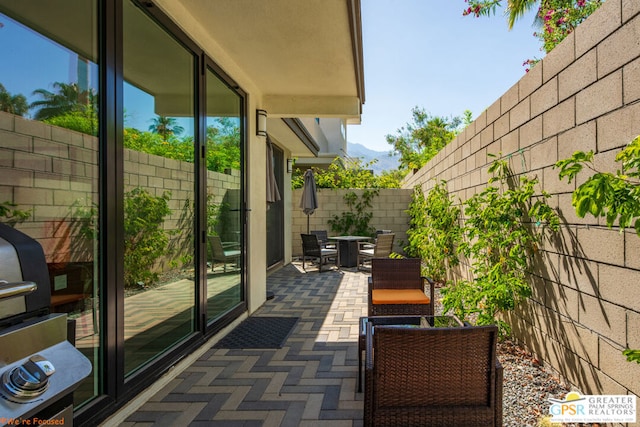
{"x":159,"y":189}
{"x":123,"y":157}
{"x":224,"y":197}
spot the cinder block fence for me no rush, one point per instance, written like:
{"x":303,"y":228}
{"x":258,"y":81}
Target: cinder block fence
{"x":584,"y":95}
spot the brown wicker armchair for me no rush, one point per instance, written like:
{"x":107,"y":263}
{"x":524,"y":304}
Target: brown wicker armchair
{"x":433,"y":377}
{"x":397,"y":287}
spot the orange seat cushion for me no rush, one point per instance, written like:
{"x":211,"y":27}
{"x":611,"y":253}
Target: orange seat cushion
{"x":399,"y":296}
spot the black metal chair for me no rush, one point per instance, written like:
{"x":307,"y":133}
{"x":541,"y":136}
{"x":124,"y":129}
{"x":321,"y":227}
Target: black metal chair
{"x":224,"y":253}
{"x":311,"y":248}
{"x":323,"y":237}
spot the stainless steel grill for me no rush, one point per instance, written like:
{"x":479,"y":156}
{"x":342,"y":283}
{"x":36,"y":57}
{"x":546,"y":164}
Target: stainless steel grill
{"x":39,"y":367}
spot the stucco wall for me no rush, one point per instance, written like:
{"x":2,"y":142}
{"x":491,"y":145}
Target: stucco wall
{"x":389,"y":213}
{"x":584,"y":95}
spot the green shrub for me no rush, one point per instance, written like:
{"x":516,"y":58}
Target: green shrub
{"x":613,"y":196}
{"x":356,"y":220}
{"x":499,"y":241}
{"x":11,"y":216}
{"x":434,"y":231}
{"x":145,"y":239}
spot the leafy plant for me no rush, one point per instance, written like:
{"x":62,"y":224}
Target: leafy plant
{"x":613,"y":196}
{"x":434,"y":230}
{"x":419,"y":141}
{"x":348,"y":173}
{"x":11,"y":216}
{"x":14,"y":104}
{"x":499,"y":240}
{"x":223,"y":144}
{"x":632,"y":355}
{"x":356,"y":220}
{"x":145,"y":240}
{"x":67,"y":98}
{"x":85,"y":121}
{"x":556,"y":19}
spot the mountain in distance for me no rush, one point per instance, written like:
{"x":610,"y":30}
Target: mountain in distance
{"x":384,"y":161}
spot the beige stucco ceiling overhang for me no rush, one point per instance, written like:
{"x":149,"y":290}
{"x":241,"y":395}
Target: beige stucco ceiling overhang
{"x":304,"y":56}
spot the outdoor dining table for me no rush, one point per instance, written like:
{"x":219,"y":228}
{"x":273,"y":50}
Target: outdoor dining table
{"x":368,"y":324}
{"x":348,"y":249}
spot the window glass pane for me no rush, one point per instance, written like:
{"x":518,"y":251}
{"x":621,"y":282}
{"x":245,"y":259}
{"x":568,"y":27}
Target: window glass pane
{"x":49,"y":153}
{"x":159,"y":189}
{"x":224,"y":198}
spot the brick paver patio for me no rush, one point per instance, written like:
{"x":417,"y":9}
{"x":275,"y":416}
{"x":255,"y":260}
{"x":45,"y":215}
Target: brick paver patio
{"x":311,"y":381}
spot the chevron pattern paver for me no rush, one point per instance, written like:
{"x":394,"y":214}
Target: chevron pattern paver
{"x":311,"y":381}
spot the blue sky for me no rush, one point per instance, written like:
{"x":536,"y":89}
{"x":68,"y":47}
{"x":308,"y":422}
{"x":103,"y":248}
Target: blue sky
{"x":425,"y":53}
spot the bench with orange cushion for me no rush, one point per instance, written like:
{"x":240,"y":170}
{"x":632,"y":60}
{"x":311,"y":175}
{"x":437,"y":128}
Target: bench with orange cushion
{"x":397,"y":287}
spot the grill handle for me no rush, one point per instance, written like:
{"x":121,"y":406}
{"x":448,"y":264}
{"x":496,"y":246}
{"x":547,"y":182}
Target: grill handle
{"x":15,"y":289}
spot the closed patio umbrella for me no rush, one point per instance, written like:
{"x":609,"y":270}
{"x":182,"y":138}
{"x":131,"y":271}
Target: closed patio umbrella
{"x":309,"y":201}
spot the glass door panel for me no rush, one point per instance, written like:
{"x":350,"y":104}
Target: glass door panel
{"x":159,"y":189}
{"x":49,"y":153}
{"x":224,"y":198}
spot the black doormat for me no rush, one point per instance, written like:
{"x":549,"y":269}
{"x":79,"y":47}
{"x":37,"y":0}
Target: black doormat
{"x":259,"y":332}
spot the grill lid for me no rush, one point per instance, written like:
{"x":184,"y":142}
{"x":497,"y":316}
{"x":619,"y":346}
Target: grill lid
{"x":22,"y":260}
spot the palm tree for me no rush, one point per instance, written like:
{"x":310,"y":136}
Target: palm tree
{"x":516,"y":9}
{"x":68,"y":98}
{"x":165,"y":127}
{"x":14,"y":104}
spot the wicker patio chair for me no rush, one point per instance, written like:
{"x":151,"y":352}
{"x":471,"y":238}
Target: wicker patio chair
{"x":311,"y":248}
{"x":382,"y":248}
{"x":433,"y":377}
{"x":367,"y":245}
{"x":397,"y":287}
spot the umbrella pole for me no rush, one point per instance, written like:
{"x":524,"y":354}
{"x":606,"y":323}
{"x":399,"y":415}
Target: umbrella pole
{"x":308,"y":224}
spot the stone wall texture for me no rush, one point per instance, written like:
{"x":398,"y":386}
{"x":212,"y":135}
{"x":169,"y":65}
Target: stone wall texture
{"x":584,"y":95}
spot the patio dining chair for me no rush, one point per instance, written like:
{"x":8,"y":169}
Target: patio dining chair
{"x":311,"y":248}
{"x":369,"y":245}
{"x":382,"y":248}
{"x":226,"y":253}
{"x":397,"y":287}
{"x":432,"y":377}
{"x":323,"y":238}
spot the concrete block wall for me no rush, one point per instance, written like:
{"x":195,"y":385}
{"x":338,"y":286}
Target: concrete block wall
{"x":584,"y":95}
{"x":46,"y":169}
{"x":389,"y":213}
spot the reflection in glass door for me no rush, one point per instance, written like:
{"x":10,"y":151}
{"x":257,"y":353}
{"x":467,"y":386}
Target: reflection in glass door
{"x":159,"y":190}
{"x":49,"y":103}
{"x":224,"y":197}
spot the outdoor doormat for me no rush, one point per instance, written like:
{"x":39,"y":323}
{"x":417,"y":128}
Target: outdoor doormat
{"x":259,"y":332}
